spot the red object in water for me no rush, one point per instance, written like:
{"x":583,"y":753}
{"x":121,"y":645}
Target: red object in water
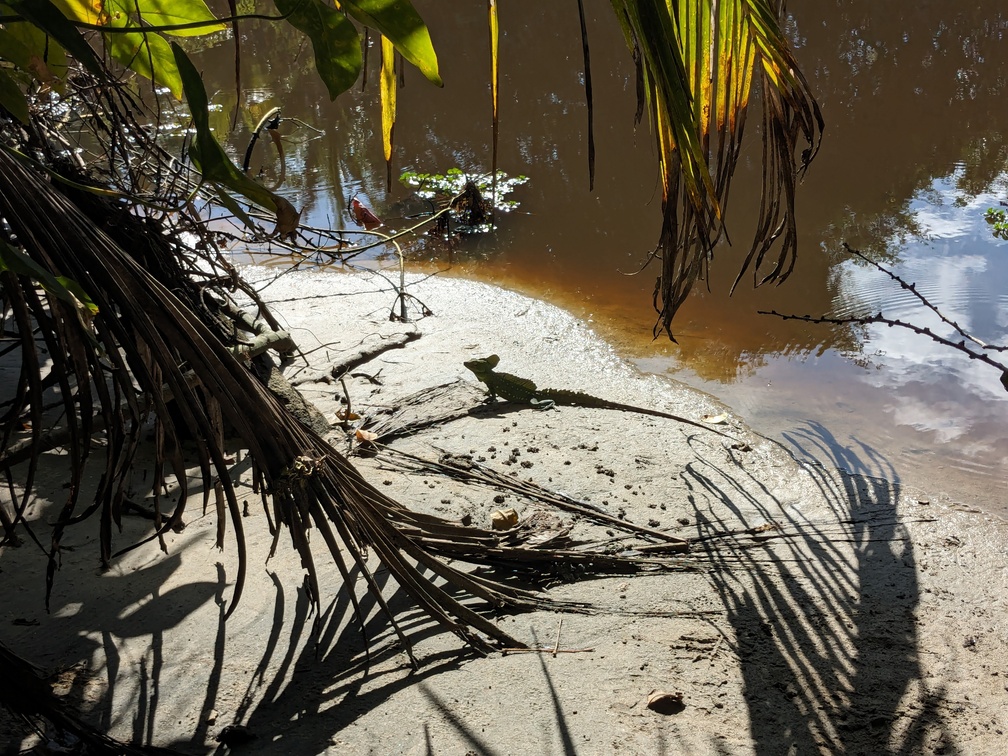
{"x":363,"y":216}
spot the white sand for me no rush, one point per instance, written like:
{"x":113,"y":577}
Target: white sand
{"x":843,"y":615}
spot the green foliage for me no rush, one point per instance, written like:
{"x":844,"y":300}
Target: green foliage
{"x":133,"y":34}
{"x":210,"y":157}
{"x":145,"y":51}
{"x":337,"y":44}
{"x":399,"y":22}
{"x":468,"y":196}
{"x":338,"y":57}
{"x":12,"y":98}
{"x":63,"y":288}
{"x":47,"y":18}
{"x":171,"y":13}
{"x":998,"y":219}
{"x":430,"y":186}
{"x":24,"y":45}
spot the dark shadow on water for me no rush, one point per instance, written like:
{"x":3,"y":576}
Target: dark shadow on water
{"x":823,"y":607}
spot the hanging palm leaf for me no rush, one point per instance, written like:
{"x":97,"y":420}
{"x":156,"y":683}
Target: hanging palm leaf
{"x":698,"y":60}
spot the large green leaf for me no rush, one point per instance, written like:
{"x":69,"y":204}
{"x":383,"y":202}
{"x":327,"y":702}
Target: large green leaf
{"x":33,"y":51}
{"x":155,"y":14}
{"x":12,"y":98}
{"x":338,"y":57}
{"x":145,"y":52}
{"x":399,"y":22}
{"x":15,"y":50}
{"x":208,"y":155}
{"x":169,"y":13}
{"x":47,"y":17}
{"x":61,"y":287}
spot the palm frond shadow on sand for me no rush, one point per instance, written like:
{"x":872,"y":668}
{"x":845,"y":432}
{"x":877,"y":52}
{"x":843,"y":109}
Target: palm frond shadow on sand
{"x":829,"y":655}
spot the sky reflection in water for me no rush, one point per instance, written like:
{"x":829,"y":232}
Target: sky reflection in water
{"x":939,"y":417}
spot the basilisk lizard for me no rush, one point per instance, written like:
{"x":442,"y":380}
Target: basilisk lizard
{"x":512,"y":388}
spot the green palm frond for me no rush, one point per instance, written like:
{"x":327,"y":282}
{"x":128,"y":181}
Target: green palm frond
{"x":699,"y":60}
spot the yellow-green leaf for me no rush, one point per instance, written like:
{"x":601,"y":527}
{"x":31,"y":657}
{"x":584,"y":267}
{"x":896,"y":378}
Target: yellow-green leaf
{"x":174,"y":13}
{"x":398,"y":21}
{"x":143,"y":51}
{"x":494,"y":49}
{"x":148,"y":54}
{"x":388,"y":100}
{"x":48,"y":18}
{"x":494,"y":81}
{"x":23,"y":51}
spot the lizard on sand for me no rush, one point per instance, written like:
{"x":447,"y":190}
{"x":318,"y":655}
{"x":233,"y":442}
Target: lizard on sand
{"x":523,"y":391}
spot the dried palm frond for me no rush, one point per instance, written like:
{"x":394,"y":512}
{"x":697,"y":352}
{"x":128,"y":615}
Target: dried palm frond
{"x":144,"y":332}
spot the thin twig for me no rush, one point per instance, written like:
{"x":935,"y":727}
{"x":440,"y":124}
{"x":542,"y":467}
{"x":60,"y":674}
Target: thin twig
{"x":880,"y":318}
{"x":346,"y":395}
{"x":912,"y":288}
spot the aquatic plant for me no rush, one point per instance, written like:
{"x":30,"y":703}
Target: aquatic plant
{"x":472,"y":198}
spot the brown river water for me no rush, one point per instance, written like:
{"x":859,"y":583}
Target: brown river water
{"x":915,"y":150}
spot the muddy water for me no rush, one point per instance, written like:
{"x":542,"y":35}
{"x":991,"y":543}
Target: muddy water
{"x":915,"y":150}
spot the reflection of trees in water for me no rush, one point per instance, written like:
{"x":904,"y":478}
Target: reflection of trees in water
{"x":278,"y":70}
{"x":983,"y":164}
{"x":908,"y":93}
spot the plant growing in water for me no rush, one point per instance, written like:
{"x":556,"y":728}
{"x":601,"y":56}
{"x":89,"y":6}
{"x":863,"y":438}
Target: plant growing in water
{"x":466,"y":194}
{"x":998,"y":219}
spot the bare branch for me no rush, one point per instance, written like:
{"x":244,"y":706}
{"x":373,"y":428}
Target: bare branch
{"x":912,"y":288}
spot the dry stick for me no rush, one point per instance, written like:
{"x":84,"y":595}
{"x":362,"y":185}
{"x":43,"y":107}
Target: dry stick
{"x":345,"y":423}
{"x":717,"y":647}
{"x":397,"y":341}
{"x":346,"y":395}
{"x":339,"y":369}
{"x":556,"y":645}
{"x":912,"y":288}
{"x":879,"y":318}
{"x":487,"y":476}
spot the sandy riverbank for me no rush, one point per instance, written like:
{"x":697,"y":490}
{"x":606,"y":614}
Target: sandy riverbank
{"x":819,"y":611}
